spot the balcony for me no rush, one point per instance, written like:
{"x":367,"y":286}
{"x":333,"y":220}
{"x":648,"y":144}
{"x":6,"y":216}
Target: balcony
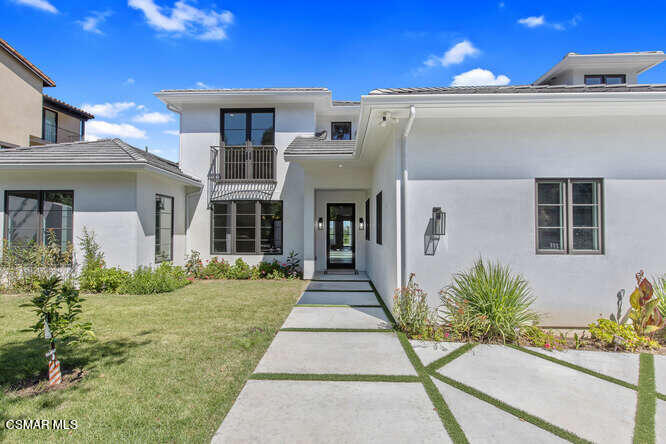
{"x":242,"y":172}
{"x":55,"y":134}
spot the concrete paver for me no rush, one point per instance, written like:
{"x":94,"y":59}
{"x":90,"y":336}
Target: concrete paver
{"x":337,"y":317}
{"x":338,"y":298}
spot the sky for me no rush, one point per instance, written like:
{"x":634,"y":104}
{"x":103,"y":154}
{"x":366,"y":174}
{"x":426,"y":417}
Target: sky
{"x":109,"y":57}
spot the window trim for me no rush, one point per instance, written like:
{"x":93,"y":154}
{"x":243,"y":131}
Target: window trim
{"x":44,"y":109}
{"x":603,"y":78}
{"x":568,"y":216}
{"x":40,"y":210}
{"x":342,"y":122}
{"x":378,"y":217}
{"x":173,"y":210}
{"x":367,"y":219}
{"x":248,"y":122}
{"x":257,"y":228}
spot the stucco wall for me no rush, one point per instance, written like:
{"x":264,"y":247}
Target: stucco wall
{"x":482,"y":171}
{"x":20,"y":102}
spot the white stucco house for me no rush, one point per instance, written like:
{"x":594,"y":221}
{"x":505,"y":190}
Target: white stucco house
{"x":564,"y":180}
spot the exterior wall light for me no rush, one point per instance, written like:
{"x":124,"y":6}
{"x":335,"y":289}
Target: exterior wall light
{"x":438,"y":222}
{"x":361,"y":224}
{"x":320,"y":223}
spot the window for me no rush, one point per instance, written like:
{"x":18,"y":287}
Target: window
{"x":248,"y":125}
{"x":569,"y":215}
{"x":367,"y":219}
{"x":82,"y":129}
{"x":39,"y":217}
{"x":378,"y":217}
{"x":246,"y":227}
{"x":49,"y":125}
{"x":163,"y":228}
{"x":341,"y":130}
{"x":605,"y":79}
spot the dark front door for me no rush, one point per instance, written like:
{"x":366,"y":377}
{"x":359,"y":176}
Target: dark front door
{"x":340,"y":236}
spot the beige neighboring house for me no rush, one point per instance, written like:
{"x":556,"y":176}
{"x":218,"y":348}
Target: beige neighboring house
{"x":27,"y":115}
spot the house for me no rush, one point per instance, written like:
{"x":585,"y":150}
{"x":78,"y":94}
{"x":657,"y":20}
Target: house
{"x":562,"y":179}
{"x":27,"y":115}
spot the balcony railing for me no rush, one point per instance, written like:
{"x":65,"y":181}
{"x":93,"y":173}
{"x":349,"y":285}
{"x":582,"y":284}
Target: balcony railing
{"x":244,"y":163}
{"x":53,"y":134}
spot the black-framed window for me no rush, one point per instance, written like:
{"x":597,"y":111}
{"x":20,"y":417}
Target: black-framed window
{"x":239,"y":126}
{"x":49,"y":125}
{"x":163,"y":228}
{"x":378,"y":217}
{"x":367,"y":219}
{"x":247,"y":227}
{"x":569,"y":214}
{"x":605,"y":79}
{"x":39,"y":217}
{"x":341,"y":130}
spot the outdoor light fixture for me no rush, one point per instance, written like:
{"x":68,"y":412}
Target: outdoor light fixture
{"x":361,"y":224}
{"x":320,"y":223}
{"x":438,"y":222}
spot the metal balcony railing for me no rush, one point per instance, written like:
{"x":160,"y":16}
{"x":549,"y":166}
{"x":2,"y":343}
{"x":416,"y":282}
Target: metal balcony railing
{"x":244,"y":163}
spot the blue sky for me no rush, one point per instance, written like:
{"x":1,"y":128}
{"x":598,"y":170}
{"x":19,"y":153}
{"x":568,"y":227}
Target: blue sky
{"x":110,"y":56}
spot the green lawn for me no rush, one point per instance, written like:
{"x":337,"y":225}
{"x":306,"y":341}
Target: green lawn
{"x":166,"y":367}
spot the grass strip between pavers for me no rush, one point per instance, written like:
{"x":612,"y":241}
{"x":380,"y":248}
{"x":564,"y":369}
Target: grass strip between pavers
{"x":646,"y":407}
{"x":535,"y":420}
{"x":575,"y":367}
{"x":441,"y":362}
{"x":338,"y":305}
{"x":445,"y":415}
{"x":339,"y":330}
{"x":334,"y":377}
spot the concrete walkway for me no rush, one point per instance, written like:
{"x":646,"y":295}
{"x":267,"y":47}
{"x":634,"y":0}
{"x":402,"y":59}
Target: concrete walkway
{"x":337,"y":372}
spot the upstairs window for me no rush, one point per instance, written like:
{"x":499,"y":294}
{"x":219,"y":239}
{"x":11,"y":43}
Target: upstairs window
{"x":49,"y":125}
{"x":341,"y":130}
{"x":605,"y":79}
{"x":239,"y":126}
{"x":569,"y":216}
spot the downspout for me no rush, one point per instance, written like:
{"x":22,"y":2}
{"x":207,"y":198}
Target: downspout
{"x":403,"y":196}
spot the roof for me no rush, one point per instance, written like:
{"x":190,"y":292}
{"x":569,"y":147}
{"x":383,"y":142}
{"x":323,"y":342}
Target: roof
{"x":100,"y":152}
{"x":315,"y":146}
{"x":25,"y":62}
{"x":346,"y":103}
{"x":517,"y":89}
{"x":67,"y":107}
{"x":250,"y":90}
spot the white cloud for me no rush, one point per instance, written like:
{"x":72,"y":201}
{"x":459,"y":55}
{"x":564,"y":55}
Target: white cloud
{"x":185,"y":19}
{"x":153,"y":118}
{"x":172,"y":132}
{"x":92,"y":22}
{"x":533,"y":21}
{"x":130,"y":81}
{"x":202,"y":85}
{"x":140,"y":107}
{"x":96,"y":129}
{"x":43,"y":5}
{"x":479,"y":77}
{"x":107,"y":109}
{"x":454,"y":56}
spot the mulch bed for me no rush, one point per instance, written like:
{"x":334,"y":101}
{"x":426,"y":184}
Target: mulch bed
{"x":37,"y":386}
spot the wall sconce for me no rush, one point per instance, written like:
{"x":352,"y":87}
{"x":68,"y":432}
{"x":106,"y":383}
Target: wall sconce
{"x":320,"y":223}
{"x":438,"y":222}
{"x":361,"y":223}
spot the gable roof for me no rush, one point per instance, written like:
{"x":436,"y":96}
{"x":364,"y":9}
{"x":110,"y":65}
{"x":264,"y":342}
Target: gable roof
{"x":516,"y":89}
{"x":307,"y":146}
{"x":57,"y":103}
{"x":25,"y":62}
{"x":103,"y":152}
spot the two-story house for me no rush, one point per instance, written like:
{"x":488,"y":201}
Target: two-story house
{"x":27,"y":116}
{"x":564,"y":180}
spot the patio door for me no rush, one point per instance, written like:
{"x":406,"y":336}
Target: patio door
{"x":340,"y":236}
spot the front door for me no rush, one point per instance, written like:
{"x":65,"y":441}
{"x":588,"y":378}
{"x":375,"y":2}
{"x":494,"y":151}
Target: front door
{"x":340,"y":236}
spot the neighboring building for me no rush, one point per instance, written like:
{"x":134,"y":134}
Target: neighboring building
{"x":27,"y":116}
{"x":562,"y":180}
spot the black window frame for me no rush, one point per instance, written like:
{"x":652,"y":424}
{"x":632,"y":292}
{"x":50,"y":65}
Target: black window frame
{"x":604,"y":78}
{"x":232,"y":250}
{"x":40,"y":210}
{"x":348,"y":123}
{"x":378,"y":217}
{"x":367,"y":219}
{"x":248,"y":121}
{"x":44,"y":109}
{"x":173,"y":210}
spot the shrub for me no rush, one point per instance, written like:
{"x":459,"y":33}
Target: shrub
{"x":410,"y":309}
{"x":103,"y":280}
{"x":239,"y":270}
{"x":216,"y":269}
{"x":660,"y":293}
{"x":193,"y":265}
{"x":293,"y":266}
{"x":487,"y":302}
{"x":543,"y":338}
{"x":619,"y":336}
{"x":645,"y":314}
{"x":146,"y":280}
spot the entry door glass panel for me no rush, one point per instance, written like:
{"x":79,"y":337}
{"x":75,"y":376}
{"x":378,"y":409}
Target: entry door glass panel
{"x":340,"y":236}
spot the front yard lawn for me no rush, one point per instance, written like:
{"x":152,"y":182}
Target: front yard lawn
{"x":166,"y":367}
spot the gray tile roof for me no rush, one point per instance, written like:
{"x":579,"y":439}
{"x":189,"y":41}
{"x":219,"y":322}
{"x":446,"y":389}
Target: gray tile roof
{"x":99,"y":152}
{"x":315,"y":146}
{"x":346,"y":103}
{"x":517,"y":89}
